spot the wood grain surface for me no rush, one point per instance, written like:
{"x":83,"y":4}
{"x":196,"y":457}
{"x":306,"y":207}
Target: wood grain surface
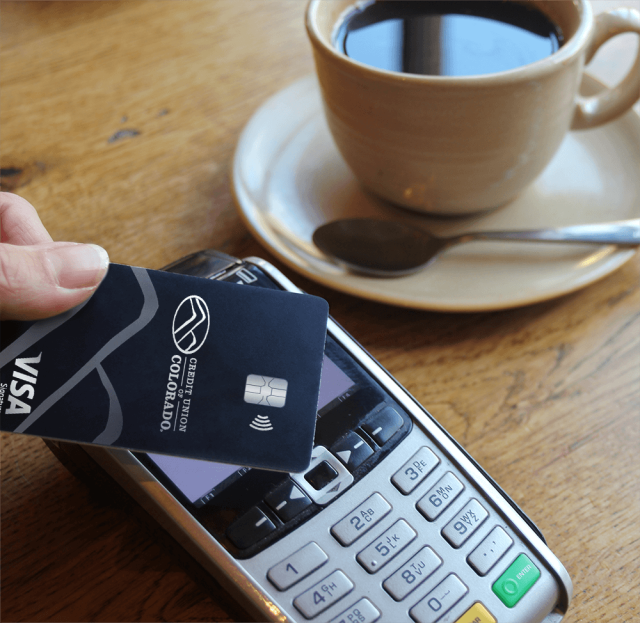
{"x":118,"y":122}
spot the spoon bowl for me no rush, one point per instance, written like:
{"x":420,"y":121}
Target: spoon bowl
{"x":383,"y":248}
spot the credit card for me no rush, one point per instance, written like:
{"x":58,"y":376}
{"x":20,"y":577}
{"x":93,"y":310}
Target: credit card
{"x":172,"y":364}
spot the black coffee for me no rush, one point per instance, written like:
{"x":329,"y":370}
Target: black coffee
{"x":448,"y":38}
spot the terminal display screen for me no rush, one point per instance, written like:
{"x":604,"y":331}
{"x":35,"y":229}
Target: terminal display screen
{"x":199,"y":481}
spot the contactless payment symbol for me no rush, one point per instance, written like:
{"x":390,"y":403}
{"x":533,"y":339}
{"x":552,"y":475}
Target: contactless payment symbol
{"x":261,"y":423}
{"x":265,"y":391}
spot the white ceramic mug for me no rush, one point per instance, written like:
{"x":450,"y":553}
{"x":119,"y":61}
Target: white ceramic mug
{"x":457,"y":145}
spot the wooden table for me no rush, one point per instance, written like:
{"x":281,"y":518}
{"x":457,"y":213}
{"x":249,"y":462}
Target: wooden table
{"x":119,"y":120}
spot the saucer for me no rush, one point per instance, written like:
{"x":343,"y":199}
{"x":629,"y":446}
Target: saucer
{"x":289,"y":178}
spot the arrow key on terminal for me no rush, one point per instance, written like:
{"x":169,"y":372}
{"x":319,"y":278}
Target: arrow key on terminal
{"x":287,"y":500}
{"x":250,"y":528}
{"x":321,"y":475}
{"x":383,"y":425}
{"x":352,"y":450}
{"x":332,"y":478}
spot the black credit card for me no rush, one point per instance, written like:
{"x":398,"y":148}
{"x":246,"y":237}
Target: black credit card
{"x":172,"y":364}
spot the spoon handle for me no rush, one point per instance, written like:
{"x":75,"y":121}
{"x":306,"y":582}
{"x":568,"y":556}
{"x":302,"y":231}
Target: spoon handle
{"x":621,"y":233}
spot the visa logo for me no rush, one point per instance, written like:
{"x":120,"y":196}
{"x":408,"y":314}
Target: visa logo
{"x":23,"y":386}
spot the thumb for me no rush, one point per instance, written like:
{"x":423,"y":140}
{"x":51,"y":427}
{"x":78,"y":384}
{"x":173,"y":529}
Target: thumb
{"x":42,"y":280}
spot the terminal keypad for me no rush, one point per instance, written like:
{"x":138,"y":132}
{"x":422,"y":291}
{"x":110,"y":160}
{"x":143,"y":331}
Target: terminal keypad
{"x":406,"y":553}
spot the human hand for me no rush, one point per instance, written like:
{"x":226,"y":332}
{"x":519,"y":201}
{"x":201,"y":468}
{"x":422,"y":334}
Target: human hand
{"x":39,"y":277}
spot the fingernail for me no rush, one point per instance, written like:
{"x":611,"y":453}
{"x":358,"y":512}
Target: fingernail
{"x":78,"y":265}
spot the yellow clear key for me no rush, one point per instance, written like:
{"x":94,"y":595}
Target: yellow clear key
{"x":476,"y":614}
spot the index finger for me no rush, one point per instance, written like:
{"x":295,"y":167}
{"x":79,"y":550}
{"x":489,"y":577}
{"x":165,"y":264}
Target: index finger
{"x":19,"y":222}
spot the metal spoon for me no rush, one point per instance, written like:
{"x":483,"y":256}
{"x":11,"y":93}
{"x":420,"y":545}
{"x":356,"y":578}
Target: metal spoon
{"x":389,"y":248}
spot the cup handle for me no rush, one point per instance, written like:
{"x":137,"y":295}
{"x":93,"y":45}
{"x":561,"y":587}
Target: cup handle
{"x":593,"y":111}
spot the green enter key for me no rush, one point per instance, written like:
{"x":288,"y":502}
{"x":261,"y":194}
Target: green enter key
{"x":513,"y":584}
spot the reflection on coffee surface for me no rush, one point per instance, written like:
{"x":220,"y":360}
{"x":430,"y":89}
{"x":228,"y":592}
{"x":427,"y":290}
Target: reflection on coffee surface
{"x":448,"y":38}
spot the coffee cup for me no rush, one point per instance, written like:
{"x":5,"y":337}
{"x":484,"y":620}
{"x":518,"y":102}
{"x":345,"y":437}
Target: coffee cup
{"x":458,"y":144}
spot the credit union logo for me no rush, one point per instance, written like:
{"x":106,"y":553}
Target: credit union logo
{"x":191,"y":324}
